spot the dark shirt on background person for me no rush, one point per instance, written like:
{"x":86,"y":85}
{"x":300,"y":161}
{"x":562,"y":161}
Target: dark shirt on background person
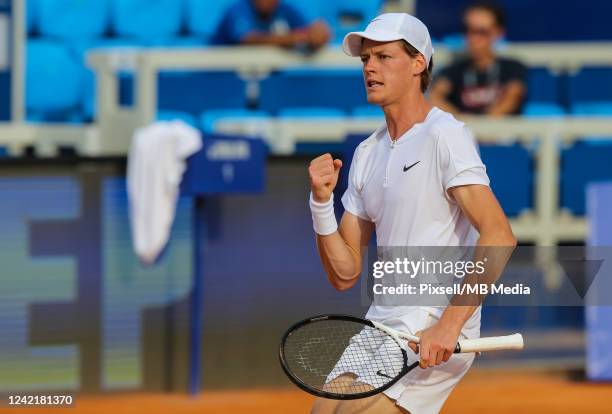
{"x":473,"y":91}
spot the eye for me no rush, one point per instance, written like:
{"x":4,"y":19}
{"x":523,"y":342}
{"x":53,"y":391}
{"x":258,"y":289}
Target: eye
{"x":384,"y":57}
{"x":364,"y":59}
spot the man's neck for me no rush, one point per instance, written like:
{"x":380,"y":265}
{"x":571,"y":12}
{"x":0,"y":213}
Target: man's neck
{"x":484,"y":61}
{"x":402,"y":116}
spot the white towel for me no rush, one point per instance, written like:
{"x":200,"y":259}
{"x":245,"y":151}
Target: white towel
{"x":156,"y":164}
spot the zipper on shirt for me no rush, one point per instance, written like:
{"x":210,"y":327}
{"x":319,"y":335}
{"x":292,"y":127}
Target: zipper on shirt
{"x":388,"y":164}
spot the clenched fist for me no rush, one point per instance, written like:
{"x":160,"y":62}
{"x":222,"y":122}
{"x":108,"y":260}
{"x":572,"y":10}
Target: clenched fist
{"x":323,"y":173}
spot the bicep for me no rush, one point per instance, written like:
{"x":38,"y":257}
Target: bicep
{"x":480,"y":206}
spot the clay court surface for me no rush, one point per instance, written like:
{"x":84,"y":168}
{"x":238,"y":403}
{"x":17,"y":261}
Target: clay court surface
{"x":481,"y":391}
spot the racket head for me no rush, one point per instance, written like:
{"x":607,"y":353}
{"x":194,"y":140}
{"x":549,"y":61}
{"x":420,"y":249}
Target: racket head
{"x":316,"y":351}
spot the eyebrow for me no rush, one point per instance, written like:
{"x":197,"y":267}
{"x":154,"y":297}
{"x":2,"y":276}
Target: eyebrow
{"x":375,"y":52}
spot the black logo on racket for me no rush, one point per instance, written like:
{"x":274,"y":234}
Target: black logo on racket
{"x":382,"y":374}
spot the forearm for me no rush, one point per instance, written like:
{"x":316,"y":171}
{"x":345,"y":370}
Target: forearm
{"x":283,"y":40}
{"x":509,"y":101}
{"x":503,"y":107}
{"x":341,"y":262}
{"x":493,"y":249}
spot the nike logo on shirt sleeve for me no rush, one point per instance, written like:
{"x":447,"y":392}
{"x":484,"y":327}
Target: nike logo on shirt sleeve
{"x":407,"y":168}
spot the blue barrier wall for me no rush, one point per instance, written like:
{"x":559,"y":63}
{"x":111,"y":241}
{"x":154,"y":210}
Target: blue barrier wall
{"x":599,"y":318}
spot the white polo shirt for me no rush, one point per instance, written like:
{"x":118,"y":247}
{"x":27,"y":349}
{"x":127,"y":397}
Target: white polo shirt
{"x":402,"y":188}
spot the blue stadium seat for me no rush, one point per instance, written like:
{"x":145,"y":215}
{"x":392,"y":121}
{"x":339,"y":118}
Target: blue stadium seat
{"x":54,"y":82}
{"x":151,"y":21}
{"x":311,"y":112}
{"x":72,"y":20}
{"x":208,"y":119}
{"x":31,"y":11}
{"x":582,"y":164}
{"x":590,"y":85}
{"x":542,"y":86}
{"x":194,"y":92}
{"x":592,"y":108}
{"x":514,"y":191}
{"x":331,"y":88}
{"x":177,"y":115}
{"x":372,"y":111}
{"x":203,"y":16}
{"x":454,"y":42}
{"x":542,"y":109}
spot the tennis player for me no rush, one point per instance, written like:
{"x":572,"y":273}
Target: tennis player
{"x":418,"y":181}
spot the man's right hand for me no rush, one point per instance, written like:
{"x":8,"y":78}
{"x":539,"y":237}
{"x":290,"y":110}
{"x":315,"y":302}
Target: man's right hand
{"x":323,"y":173}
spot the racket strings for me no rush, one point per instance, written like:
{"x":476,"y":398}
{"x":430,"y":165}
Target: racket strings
{"x":342,"y":357}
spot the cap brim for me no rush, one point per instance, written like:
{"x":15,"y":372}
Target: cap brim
{"x":351,"y":45}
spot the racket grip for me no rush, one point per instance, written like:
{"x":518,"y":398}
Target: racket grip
{"x":494,"y":343}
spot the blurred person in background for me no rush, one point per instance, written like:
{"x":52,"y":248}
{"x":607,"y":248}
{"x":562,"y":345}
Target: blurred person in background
{"x":481,"y":82}
{"x":270,"y":22}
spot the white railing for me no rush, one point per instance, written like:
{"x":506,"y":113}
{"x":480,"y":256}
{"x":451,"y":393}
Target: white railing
{"x":254,"y":63}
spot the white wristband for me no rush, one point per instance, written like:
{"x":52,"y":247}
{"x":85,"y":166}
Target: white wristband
{"x":323,"y":216}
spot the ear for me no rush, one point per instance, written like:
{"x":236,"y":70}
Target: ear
{"x":419,"y":64}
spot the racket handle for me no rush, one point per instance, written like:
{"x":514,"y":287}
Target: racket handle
{"x":493,"y":343}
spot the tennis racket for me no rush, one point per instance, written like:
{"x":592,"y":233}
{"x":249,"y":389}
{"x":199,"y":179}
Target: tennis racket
{"x":343,"y":357}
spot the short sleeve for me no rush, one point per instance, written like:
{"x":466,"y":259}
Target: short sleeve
{"x":514,"y":71}
{"x":236,"y":24}
{"x":452,"y":73}
{"x":459,"y":159}
{"x":352,"y":200}
{"x":295,"y":18}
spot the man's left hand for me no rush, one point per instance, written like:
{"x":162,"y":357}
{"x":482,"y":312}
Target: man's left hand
{"x":437,"y":344}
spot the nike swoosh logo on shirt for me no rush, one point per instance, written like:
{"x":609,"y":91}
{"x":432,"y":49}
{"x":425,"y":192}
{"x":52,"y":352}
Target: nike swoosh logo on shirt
{"x":407,"y":168}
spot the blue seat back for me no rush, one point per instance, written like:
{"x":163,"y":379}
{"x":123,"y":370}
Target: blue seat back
{"x":209,"y":118}
{"x":542,"y":86}
{"x":191,"y":92}
{"x":54,"y":78}
{"x":582,"y":164}
{"x":194,"y":92}
{"x":590,"y":84}
{"x":203,"y":16}
{"x":72,"y":19}
{"x":31,"y":11}
{"x":514,"y":191}
{"x":149,"y":20}
{"x":600,"y":108}
{"x":340,"y":89}
{"x":542,"y":109}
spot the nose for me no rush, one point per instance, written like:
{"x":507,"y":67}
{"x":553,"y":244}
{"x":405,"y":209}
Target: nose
{"x":369,"y":66}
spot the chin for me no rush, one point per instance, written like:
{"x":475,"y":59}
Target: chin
{"x":375,"y":100}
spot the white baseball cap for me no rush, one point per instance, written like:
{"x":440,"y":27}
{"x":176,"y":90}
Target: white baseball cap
{"x":389,"y":27}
